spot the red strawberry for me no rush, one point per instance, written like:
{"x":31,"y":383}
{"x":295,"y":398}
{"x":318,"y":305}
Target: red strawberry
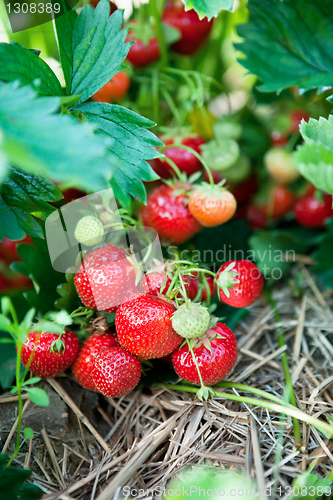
{"x":194,"y":283}
{"x":84,"y":363}
{"x":167,"y":212}
{"x":152,"y":283}
{"x":313,"y":208}
{"x":279,"y":202}
{"x":216,"y":355}
{"x":46,"y":363}
{"x":105,"y":278}
{"x":146,"y":48}
{"x":194,"y":31}
{"x":296,"y":117}
{"x":185,"y":161}
{"x":256,"y":218}
{"x":8,"y":248}
{"x":239,"y":283}
{"x":144,"y":326}
{"x":114,"y":89}
{"x":116,"y":372}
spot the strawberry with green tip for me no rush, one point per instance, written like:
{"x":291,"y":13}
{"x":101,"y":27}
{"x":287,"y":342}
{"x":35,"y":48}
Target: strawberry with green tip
{"x":215,"y":354}
{"x":89,"y":231}
{"x":212,"y":205}
{"x":239,"y":283}
{"x":191,"y":320}
{"x":116,"y":372}
{"x":46,"y":355}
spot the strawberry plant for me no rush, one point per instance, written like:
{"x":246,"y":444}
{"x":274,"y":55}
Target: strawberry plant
{"x":150,"y":201}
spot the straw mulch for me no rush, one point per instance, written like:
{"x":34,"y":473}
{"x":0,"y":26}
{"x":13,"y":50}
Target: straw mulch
{"x":94,"y":446}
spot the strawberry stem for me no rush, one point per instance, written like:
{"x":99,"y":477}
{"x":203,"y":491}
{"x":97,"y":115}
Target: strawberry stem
{"x":196,"y":363}
{"x":283,"y":407}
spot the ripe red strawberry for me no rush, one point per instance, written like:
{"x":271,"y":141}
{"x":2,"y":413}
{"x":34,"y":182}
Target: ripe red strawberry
{"x":313,"y":208}
{"x":114,"y":89}
{"x":84,"y":363}
{"x":46,"y":363}
{"x":216,"y":355}
{"x":296,"y":117}
{"x":8,"y":248}
{"x":279,"y":202}
{"x":167,"y":212}
{"x":194,"y":31}
{"x":105,"y":278}
{"x":185,"y":161}
{"x":144,"y":326}
{"x":212,"y":205}
{"x":116,"y":372}
{"x":146,"y":48}
{"x":194,"y":283}
{"x":152,"y":283}
{"x":239,"y":283}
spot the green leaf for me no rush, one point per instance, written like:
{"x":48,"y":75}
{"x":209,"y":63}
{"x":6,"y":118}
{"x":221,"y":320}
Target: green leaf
{"x":23,"y":65}
{"x":132,"y":144}
{"x":36,"y":264}
{"x":36,"y":139}
{"x":314,"y":158}
{"x":28,"y":433}
{"x":289,"y":43}
{"x":38,"y":396}
{"x":26,"y":323}
{"x":13,"y":483}
{"x":7,"y":363}
{"x":323,"y":255}
{"x":208,"y":8}
{"x":31,"y":381}
{"x":97,"y":45}
{"x":274,"y":251}
{"x":69,"y":299}
{"x":65,"y":26}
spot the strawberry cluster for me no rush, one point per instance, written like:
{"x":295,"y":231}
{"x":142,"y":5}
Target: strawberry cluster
{"x":163,"y":314}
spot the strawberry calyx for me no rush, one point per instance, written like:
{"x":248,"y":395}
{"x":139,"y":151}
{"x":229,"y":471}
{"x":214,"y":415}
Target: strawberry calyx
{"x":176,"y":135}
{"x":207,"y":190}
{"x":227,"y":279}
{"x":142,"y":31}
{"x":58,"y":346}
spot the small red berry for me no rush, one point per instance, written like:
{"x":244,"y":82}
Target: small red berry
{"x":239,"y":283}
{"x":313,"y":209}
{"x":116,"y":372}
{"x":46,"y":363}
{"x":84,"y":363}
{"x":215,"y":353}
{"x":114,"y":90}
{"x":144,"y":327}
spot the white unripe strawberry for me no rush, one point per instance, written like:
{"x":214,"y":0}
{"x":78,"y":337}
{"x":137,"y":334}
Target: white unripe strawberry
{"x":191,"y":320}
{"x":89,"y":231}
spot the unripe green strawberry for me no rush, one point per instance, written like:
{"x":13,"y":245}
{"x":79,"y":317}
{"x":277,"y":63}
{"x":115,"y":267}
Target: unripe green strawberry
{"x":191,"y":320}
{"x":89,"y":231}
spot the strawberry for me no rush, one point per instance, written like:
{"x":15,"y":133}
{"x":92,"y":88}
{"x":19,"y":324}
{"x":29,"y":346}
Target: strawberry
{"x":114,"y":89}
{"x":89,"y":231}
{"x":116,"y":372}
{"x":194,"y":31}
{"x":296,"y":118}
{"x":47,"y":361}
{"x":196,"y":284}
{"x":167,"y":212}
{"x":211,"y":205}
{"x":279,"y":202}
{"x":84,"y":363}
{"x":280,"y":165}
{"x":313,"y":208}
{"x":144,"y":326}
{"x":145,"y":48}
{"x":191,"y":320}
{"x":185,"y":161}
{"x":155,"y":283}
{"x":215,"y":353}
{"x":239,"y":283}
{"x":105,"y":278}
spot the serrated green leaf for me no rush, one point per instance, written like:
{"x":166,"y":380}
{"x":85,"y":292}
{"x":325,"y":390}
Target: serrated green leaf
{"x":98,"y":48}
{"x":69,"y":299}
{"x":15,"y":223}
{"x":132,"y":144}
{"x":289,"y":43}
{"x":314,"y":158}
{"x":23,"y":65}
{"x":38,"y":396}
{"x":13,"y":483}
{"x":65,"y":26}
{"x":208,"y":8}
{"x":37,"y":139}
